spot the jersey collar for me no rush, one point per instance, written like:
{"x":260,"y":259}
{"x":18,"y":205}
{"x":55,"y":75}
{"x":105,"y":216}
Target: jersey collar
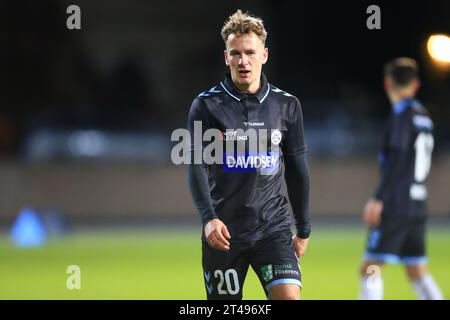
{"x":229,"y":87}
{"x":403,"y":104}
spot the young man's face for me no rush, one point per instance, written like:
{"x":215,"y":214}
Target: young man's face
{"x":245,"y":54}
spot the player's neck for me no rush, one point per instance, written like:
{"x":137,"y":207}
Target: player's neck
{"x":250,"y":88}
{"x":396,"y":97}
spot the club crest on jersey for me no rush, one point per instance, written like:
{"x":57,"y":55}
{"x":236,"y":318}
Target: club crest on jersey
{"x":275,"y":137}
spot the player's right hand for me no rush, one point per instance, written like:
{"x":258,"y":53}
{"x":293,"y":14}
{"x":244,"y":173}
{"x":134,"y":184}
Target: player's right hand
{"x":300,"y":246}
{"x":217,"y":235}
{"x":372,"y":212}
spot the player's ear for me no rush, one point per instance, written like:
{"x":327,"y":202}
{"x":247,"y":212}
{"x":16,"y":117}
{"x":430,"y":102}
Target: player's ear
{"x":387,"y":83}
{"x":225,"y":54}
{"x":417,"y":84}
{"x":265,"y":55}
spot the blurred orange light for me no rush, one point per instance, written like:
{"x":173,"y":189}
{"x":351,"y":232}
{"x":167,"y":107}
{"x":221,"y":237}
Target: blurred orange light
{"x":439,"y":47}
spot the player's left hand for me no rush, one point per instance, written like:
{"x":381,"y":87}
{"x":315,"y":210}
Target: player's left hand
{"x":300,"y":246}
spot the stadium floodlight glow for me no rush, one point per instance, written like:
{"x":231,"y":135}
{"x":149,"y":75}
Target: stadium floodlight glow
{"x":438,"y":46}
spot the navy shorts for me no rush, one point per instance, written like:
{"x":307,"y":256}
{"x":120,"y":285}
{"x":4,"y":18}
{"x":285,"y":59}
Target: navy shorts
{"x":273,"y":259}
{"x":397,"y":241}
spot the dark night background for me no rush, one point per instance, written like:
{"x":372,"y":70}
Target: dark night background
{"x":137,"y":65}
{"x":88,"y":113}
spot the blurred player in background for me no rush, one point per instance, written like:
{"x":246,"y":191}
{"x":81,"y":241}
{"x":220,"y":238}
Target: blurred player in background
{"x":245,"y":213}
{"x":396,"y":214}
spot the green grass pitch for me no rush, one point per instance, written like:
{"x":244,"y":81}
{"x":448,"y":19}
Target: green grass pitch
{"x":166,"y":264}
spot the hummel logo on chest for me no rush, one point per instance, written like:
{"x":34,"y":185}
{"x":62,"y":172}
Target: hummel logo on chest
{"x":253,"y":124}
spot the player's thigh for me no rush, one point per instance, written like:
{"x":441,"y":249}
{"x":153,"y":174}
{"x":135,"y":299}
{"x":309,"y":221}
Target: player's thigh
{"x":384,"y":243}
{"x":224,"y":272}
{"x":413,"y":249}
{"x":275,"y":262}
{"x":285,"y":292}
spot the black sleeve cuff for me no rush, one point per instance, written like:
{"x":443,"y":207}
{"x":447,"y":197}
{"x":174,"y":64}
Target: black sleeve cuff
{"x":303,"y":230}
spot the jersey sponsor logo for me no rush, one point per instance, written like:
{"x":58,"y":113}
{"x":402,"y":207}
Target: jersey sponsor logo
{"x":275,"y":137}
{"x":267,"y":273}
{"x":253,"y":124}
{"x":227,"y":148}
{"x":234,"y":135}
{"x":285,"y":269}
{"x":264,"y":162}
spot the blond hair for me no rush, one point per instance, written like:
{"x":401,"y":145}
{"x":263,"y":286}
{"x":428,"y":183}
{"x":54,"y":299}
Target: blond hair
{"x":243,"y":23}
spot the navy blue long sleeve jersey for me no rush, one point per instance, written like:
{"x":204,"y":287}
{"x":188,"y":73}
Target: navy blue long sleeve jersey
{"x":405,"y":161}
{"x":245,"y":191}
